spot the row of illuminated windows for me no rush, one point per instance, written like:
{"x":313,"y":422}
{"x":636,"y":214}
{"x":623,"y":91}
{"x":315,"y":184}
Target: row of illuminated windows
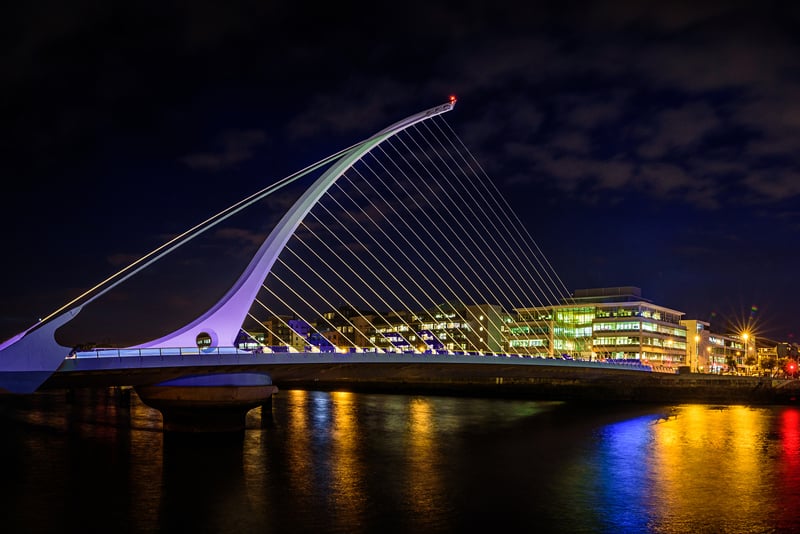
{"x":426,"y":326}
{"x":601,"y":326}
{"x":526,"y":329}
{"x":588,"y":331}
{"x":638,"y":311}
{"x":621,"y":340}
{"x":662,"y":329}
{"x":559,"y":331}
{"x":558,"y":344}
{"x":619,"y":312}
{"x":637,"y":325}
{"x":668,"y":343}
{"x":537,"y":318}
{"x":721,"y":342}
{"x":651,"y":341}
{"x":621,"y":355}
{"x":583,"y":331}
{"x":574,"y":318}
{"x":444,"y":326}
{"x":526,"y":343}
{"x":587,"y":314}
{"x":564,"y":344}
{"x":623,"y":325}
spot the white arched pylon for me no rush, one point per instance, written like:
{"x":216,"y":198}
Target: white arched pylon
{"x":224,"y":320}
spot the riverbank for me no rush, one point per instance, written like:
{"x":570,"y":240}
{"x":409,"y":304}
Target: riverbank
{"x":556,"y":384}
{"x":435,"y":374}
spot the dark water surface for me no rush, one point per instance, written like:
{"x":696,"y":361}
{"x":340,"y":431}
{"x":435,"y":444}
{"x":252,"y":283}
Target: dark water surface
{"x":350,"y":463}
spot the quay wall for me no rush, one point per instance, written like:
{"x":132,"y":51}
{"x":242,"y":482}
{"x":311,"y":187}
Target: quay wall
{"x":553,"y":384}
{"x":534,"y":379}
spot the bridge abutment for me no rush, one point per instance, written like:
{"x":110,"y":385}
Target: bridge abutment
{"x":208,"y":403}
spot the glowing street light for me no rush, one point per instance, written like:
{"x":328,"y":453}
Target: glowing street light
{"x":746,"y":338}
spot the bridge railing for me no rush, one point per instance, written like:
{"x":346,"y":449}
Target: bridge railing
{"x":171,"y":351}
{"x":144,"y":353}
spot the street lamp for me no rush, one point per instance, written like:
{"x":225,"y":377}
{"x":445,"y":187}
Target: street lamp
{"x":745,"y":337}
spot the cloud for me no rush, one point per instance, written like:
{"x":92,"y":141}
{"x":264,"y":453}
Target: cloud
{"x":579,"y":175}
{"x":589,"y":111}
{"x":240,"y":235}
{"x":356,"y":106}
{"x":236,"y":146}
{"x":575,"y":142}
{"x":695,"y":116}
{"x":665,"y":180}
{"x":664,"y":17}
{"x":122,"y":259}
{"x":773,"y":186}
{"x":679,"y":129}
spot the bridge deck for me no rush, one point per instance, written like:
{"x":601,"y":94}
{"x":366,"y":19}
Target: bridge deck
{"x":146,"y":366}
{"x":507,"y":376}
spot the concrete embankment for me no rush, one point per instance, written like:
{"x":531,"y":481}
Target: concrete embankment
{"x":544,"y":379}
{"x":548,"y":384}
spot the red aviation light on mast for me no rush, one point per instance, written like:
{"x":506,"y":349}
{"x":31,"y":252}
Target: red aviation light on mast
{"x":452,"y":100}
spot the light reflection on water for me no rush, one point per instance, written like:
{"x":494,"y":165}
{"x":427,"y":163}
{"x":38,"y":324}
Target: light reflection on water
{"x":697,"y":469}
{"x":709,"y":467}
{"x":347,"y":462}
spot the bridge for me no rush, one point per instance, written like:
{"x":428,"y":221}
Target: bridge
{"x":401,"y":262}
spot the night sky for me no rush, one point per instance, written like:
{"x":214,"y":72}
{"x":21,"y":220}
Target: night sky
{"x":651,"y":144}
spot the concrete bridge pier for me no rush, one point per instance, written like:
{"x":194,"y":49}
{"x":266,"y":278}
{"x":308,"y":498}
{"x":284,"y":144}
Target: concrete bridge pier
{"x":267,"y":416}
{"x":207,"y":403}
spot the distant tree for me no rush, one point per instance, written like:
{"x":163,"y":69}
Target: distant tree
{"x":730,"y":361}
{"x":768,"y":363}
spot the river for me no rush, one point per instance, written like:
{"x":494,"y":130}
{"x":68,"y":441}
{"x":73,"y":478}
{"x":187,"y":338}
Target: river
{"x":361,"y":463}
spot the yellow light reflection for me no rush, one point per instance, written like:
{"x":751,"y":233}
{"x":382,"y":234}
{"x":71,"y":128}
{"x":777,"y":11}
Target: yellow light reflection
{"x":298,"y":432}
{"x":425,"y":486}
{"x":254,"y":468}
{"x":147,"y":465}
{"x":347,"y":492}
{"x":727,"y":442}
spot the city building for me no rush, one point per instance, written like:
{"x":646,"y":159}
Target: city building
{"x":596,"y":324}
{"x":711,"y":352}
{"x":450,"y":326}
{"x":613,"y":323}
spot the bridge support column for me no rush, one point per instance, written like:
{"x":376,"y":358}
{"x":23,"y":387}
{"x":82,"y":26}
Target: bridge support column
{"x":207,"y":403}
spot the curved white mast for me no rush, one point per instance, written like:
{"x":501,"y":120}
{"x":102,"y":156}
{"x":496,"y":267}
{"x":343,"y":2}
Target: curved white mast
{"x":224,"y":320}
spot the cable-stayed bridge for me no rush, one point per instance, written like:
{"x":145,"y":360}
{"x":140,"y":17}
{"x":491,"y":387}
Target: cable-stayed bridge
{"x":401,"y":251}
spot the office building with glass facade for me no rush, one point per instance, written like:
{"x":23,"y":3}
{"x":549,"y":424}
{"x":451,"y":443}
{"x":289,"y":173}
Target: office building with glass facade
{"x":614,"y":323}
